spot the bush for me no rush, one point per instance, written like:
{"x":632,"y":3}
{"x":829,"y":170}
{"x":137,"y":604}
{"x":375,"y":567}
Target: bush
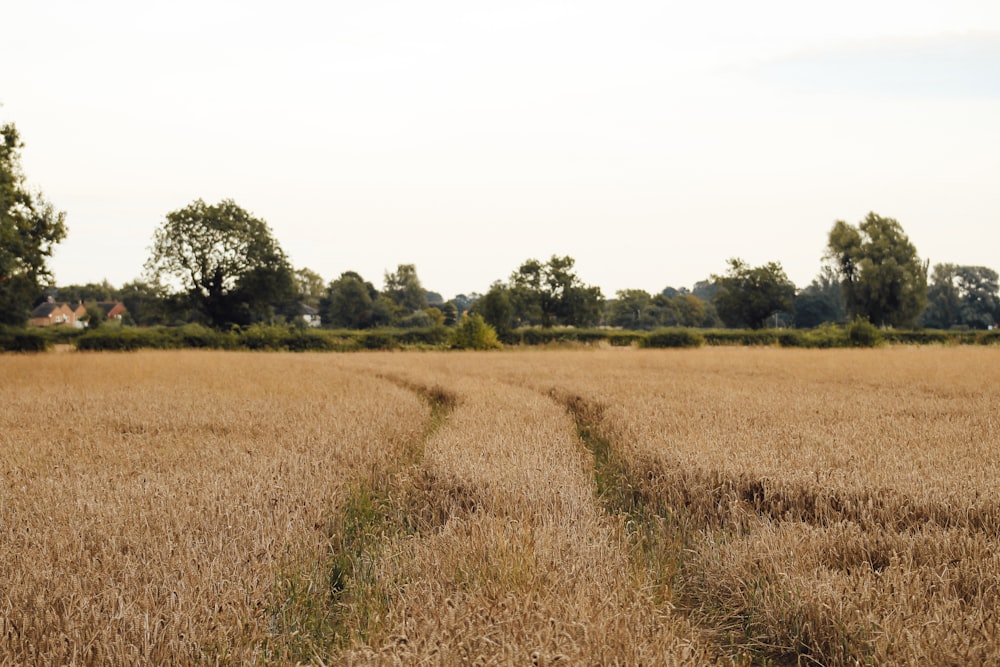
{"x":675,"y":337}
{"x":741,"y":337}
{"x":625,"y":338}
{"x":22,"y":340}
{"x":988,"y":337}
{"x":474,"y":334}
{"x":97,"y":340}
{"x":862,"y":333}
{"x":435,"y":335}
{"x":924,"y":337}
{"x":378,"y":340}
{"x":197,"y":336}
{"x":825,"y":336}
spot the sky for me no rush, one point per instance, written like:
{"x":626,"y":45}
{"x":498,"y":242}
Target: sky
{"x":649,"y":140}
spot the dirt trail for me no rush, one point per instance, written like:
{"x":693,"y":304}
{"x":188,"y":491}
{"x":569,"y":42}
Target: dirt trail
{"x":518,"y":564}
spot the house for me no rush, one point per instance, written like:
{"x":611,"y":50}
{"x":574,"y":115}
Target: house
{"x":113,"y":310}
{"x":52,"y":313}
{"x":310,"y":315}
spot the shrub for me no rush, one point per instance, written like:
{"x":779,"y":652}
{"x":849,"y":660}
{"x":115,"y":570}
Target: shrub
{"x":378,"y":340}
{"x":675,"y":337}
{"x":824,"y":336}
{"x":435,"y":335}
{"x":741,"y":337}
{"x":625,"y":338}
{"x":991,"y":337}
{"x":102,"y":339}
{"x":22,"y":340}
{"x":862,"y":333}
{"x":474,"y":334}
{"x":197,"y":335}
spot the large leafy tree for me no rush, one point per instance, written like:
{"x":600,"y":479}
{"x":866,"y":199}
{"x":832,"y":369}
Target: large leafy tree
{"x":404,"y":289}
{"x":632,"y":309}
{"x":226,"y":260}
{"x":882,"y":277}
{"x":350,"y":303}
{"x":552,"y":293}
{"x":496,"y":308}
{"x":309,"y":286}
{"x":30,"y":227}
{"x":748,"y":296}
{"x":962,"y":296}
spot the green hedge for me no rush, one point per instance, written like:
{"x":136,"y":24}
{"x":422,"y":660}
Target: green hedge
{"x":297,"y":339}
{"x":675,"y":337}
{"x":23,"y":340}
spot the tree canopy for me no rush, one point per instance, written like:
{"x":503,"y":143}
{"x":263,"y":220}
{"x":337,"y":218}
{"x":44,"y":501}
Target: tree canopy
{"x":226,"y":260}
{"x":962,"y":296}
{"x":748,"y":296}
{"x":551,"y":293}
{"x":883,"y":279}
{"x":30,"y":227}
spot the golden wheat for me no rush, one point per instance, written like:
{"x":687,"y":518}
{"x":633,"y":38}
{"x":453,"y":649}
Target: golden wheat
{"x":151,"y":502}
{"x":542,"y":506}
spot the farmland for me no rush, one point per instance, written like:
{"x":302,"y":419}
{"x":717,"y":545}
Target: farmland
{"x":545,"y":506}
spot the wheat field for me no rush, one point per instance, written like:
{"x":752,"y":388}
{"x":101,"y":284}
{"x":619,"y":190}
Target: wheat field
{"x":541,"y":506}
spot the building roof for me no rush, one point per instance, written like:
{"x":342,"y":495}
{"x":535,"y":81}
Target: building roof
{"x":46,"y":309}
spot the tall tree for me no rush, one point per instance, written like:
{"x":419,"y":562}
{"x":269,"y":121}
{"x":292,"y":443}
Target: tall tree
{"x":552,"y":293}
{"x":146,"y":302}
{"x":30,"y":227}
{"x":631,"y":309}
{"x":962,"y":296}
{"x":882,"y":277}
{"x":227,"y":261}
{"x":349,"y":302}
{"x":496,"y":308}
{"x":404,"y":289}
{"x":309,"y":286}
{"x":748,"y":296}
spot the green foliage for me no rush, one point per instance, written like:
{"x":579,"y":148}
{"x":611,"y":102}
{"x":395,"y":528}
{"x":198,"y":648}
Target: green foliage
{"x":989,"y":337}
{"x":22,"y":340}
{"x":675,"y":337}
{"x":862,"y":333}
{"x":747,"y":337}
{"x":102,"y":291}
{"x":552,"y":294}
{"x":309,"y":287}
{"x":349,"y":303}
{"x":821,"y":302}
{"x":625,"y":338}
{"x":228,"y":262}
{"x":30,"y":227}
{"x":378,"y":340}
{"x":95,"y":316}
{"x":962,"y":297}
{"x":637,"y":310}
{"x":473,"y":333}
{"x":497,"y":309}
{"x":883,"y":279}
{"x":403,"y":288}
{"x":146,"y":302}
{"x":432,"y":336}
{"x":749,"y":296}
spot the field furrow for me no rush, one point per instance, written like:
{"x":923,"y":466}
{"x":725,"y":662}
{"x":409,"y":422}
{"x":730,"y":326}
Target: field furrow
{"x":517,"y":562}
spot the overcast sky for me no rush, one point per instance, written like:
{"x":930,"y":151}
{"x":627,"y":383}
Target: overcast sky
{"x":650,"y":140}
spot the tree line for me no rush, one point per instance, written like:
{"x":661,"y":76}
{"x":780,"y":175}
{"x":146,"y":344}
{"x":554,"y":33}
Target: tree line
{"x":219,"y":265}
